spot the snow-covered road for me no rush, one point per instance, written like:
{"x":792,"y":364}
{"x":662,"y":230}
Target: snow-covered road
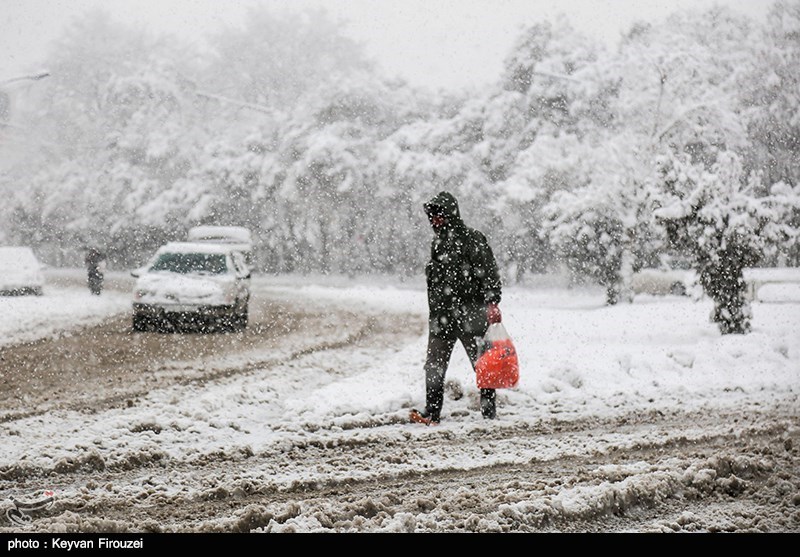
{"x":638,"y":417}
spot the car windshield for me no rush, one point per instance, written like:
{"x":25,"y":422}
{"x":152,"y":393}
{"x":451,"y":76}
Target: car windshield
{"x":188,"y":263}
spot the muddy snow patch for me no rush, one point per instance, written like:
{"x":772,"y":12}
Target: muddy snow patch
{"x":59,"y":310}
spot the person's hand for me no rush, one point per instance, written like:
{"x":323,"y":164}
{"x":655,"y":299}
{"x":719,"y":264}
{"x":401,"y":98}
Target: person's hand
{"x":493,"y":314}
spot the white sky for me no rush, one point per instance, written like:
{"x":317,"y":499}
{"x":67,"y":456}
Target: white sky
{"x":435,"y":43}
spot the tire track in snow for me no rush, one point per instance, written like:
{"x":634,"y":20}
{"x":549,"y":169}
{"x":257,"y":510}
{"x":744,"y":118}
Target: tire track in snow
{"x":561,"y":492}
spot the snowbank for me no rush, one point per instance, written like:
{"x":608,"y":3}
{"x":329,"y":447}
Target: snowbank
{"x":29,"y":318}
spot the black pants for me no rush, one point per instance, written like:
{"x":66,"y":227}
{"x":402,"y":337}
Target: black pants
{"x":440,"y":348}
{"x":95,"y":280}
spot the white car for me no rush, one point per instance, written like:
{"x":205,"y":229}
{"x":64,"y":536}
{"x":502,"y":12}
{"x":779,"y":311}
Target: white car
{"x":661,"y":282}
{"x":20,"y":272}
{"x":203,"y":285}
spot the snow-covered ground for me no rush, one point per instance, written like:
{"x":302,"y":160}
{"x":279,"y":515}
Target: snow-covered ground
{"x":572,"y":347}
{"x":581,"y":355}
{"x":579,"y":360}
{"x":60,"y":309}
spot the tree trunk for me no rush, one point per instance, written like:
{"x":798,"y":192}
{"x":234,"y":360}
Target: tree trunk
{"x":626,"y":275}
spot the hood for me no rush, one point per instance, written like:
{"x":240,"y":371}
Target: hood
{"x":175,"y":288}
{"x":448,"y":202}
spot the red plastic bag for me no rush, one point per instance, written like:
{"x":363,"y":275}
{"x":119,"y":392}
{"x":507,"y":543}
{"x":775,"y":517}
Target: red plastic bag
{"x":497,"y":366}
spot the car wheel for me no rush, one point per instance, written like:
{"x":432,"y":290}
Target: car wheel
{"x":242,"y":319}
{"x":140,"y":323}
{"x":230,"y":323}
{"x":239,"y":317}
{"x":219,"y":324}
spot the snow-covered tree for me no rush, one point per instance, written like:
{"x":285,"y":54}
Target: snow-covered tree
{"x":283,"y":126}
{"x":145,"y":137}
{"x":668,"y":89}
{"x":712,"y":214}
{"x":113,"y":118}
{"x":277,"y":56}
{"x":770,"y":105}
{"x":601,"y":228}
{"x":770,"y":95}
{"x":525,"y":135}
{"x":334,"y":158}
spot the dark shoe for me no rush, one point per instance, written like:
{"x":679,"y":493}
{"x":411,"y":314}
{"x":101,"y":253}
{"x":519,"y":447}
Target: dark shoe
{"x":421,"y":418}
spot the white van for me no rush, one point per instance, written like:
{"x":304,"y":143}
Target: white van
{"x":237,"y":238}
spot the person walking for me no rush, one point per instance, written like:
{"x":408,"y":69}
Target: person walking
{"x":464,"y":290}
{"x":95,"y":267}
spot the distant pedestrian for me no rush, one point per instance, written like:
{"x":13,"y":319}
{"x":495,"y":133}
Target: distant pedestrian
{"x":95,"y":267}
{"x":464,"y":291}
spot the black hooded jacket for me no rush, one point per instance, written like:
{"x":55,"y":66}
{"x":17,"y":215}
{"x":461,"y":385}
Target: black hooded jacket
{"x":462,"y":274}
